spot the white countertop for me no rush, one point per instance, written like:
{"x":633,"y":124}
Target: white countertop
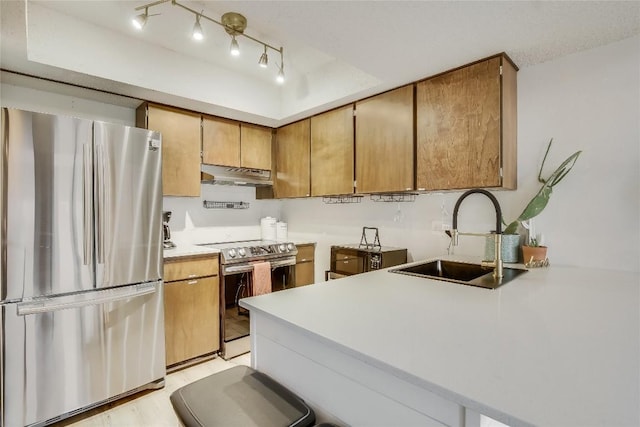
{"x":182,"y":250}
{"x":554,"y":347}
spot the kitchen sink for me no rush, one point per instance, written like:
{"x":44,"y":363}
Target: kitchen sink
{"x":460,"y":272}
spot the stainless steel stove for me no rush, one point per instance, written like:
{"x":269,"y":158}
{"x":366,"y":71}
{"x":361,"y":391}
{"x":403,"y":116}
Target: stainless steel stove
{"x":253,"y":250}
{"x":236,"y":282}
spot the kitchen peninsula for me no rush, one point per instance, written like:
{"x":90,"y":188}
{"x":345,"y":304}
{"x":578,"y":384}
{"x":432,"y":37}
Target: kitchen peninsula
{"x":556,"y":346}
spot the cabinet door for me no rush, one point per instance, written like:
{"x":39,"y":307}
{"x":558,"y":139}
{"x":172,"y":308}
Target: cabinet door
{"x":384,"y":142}
{"x":292,"y":160}
{"x":191,"y":319}
{"x":458,"y":128}
{"x":332,"y":152}
{"x":255,"y":147}
{"x":220,"y":142}
{"x":180,"y":149}
{"x":305,"y":273}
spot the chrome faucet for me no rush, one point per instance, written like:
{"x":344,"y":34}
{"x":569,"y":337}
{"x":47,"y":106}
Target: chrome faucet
{"x":496,"y":264}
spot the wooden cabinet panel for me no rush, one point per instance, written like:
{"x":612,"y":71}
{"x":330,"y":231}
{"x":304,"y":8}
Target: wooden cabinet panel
{"x":332,"y":152}
{"x":292,"y":160}
{"x":305,"y":265}
{"x":459,"y":128}
{"x":220,"y":141}
{"x":192,"y":326}
{"x":305,"y":274}
{"x":306,"y":253}
{"x":180,"y":147}
{"x":384,"y":142}
{"x":255,"y":147}
{"x":190,"y":268}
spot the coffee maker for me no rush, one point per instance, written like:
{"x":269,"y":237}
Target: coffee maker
{"x":166,"y":232}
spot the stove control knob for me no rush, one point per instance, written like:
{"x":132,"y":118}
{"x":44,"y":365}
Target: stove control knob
{"x":282,"y":247}
{"x":242,"y":252}
{"x":232,"y":253}
{"x":290,"y":246}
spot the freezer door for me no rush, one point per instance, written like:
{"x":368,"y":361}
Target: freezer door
{"x":128,"y":204}
{"x":63,"y":354}
{"x":47,"y":206}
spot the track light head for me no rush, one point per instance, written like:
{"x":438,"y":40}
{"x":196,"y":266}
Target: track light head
{"x":264,"y":59}
{"x":197,"y":33}
{"x":140,"y":20}
{"x":235,"y":47}
{"x":280,"y":76}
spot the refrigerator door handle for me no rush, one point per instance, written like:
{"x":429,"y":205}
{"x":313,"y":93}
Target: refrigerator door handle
{"x":100,"y":209}
{"x":47,"y":305}
{"x":87,"y":224}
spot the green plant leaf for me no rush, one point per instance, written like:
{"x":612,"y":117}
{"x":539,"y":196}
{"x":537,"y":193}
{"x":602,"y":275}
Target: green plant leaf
{"x":537,"y":204}
{"x":541,"y":199}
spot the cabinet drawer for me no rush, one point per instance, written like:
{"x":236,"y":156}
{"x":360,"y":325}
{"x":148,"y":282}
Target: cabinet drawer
{"x":305,"y":253}
{"x":189,"y":268}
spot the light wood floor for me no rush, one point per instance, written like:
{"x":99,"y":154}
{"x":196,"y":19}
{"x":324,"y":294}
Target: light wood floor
{"x":151,"y":408}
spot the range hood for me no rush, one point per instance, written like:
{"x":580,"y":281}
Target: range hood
{"x":224,"y":175}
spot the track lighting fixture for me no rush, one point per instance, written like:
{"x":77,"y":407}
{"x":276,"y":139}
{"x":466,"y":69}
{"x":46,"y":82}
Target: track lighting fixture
{"x":197,"y":33}
{"x":280,"y":76}
{"x":264,"y":59}
{"x":235,"y":47}
{"x":233,"y":23}
{"x":140,"y":20}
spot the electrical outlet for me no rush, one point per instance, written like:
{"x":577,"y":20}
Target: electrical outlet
{"x":439,"y":227}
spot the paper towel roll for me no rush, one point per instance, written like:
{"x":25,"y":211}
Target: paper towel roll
{"x":281,"y":230}
{"x":268,"y":228}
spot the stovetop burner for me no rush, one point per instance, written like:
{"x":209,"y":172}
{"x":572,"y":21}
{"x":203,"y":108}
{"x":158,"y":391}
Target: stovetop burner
{"x":252,"y":250}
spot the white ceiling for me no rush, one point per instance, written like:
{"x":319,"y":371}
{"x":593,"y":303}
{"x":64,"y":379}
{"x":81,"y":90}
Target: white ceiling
{"x":335,"y":51}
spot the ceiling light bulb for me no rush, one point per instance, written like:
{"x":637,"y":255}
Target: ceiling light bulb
{"x":264,"y":60}
{"x":280,"y":76}
{"x":197,"y":33}
{"x":235,"y":48}
{"x":140,"y":20}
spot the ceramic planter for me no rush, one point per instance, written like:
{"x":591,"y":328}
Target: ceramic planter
{"x":510,"y":245}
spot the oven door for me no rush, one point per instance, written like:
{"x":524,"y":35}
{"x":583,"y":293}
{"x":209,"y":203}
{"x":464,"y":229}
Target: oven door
{"x":347,"y":261}
{"x":237,"y":283}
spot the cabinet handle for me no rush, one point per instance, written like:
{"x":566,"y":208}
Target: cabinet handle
{"x":191,"y":275}
{"x":192,"y":282}
{"x":303,"y":260}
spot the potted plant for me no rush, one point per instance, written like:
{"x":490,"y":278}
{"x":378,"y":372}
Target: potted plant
{"x":534,"y":250}
{"x":539,"y":202}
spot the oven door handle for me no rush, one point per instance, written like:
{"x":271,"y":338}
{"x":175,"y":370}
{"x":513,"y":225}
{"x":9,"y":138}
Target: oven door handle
{"x":246,"y":268}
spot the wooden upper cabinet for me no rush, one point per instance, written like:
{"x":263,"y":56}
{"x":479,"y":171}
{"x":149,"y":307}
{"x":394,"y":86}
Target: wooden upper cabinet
{"x":292,"y":160}
{"x":466,"y":132}
{"x":220,"y":141}
{"x":255,"y":152}
{"x":332,"y":152}
{"x":384,"y":142}
{"x":180,"y":147}
{"x":231,"y":143}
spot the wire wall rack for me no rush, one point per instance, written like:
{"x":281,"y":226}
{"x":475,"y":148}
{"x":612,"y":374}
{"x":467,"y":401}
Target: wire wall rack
{"x":350,"y":198}
{"x":212,"y":204}
{"x":394,"y":197}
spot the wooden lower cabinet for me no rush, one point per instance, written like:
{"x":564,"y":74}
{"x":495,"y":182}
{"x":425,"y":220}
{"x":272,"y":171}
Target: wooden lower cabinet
{"x":305,"y":265}
{"x":191,"y":312}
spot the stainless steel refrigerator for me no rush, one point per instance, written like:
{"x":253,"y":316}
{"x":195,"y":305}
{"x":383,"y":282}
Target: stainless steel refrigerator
{"x":81,"y":293}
